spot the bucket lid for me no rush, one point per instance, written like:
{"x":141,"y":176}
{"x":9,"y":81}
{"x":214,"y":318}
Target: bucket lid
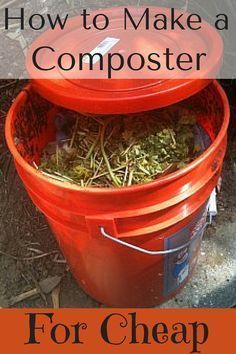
{"x":121,"y":95}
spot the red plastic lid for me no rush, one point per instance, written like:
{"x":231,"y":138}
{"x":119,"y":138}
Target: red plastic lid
{"x":73,"y":90}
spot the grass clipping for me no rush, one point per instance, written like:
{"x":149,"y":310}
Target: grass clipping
{"x":121,"y":150}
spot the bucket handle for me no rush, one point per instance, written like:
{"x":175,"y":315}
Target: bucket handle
{"x":211,"y":211}
{"x":149,"y":252}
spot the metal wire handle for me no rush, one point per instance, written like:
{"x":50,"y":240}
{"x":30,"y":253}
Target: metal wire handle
{"x":151,"y":253}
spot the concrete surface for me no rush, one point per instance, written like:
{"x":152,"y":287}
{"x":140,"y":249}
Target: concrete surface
{"x":214,"y":281}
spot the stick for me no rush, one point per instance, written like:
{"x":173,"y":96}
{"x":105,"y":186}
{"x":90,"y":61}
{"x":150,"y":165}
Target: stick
{"x":19,"y":298}
{"x":8,"y":84}
{"x":27,"y":258}
{"x":56,"y":297}
{"x":34,"y":250}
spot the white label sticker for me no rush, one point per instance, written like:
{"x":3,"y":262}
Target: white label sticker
{"x":183,"y":274}
{"x":102,"y":48}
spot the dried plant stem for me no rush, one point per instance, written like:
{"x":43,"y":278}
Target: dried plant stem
{"x":74,"y":133}
{"x":131,"y":175}
{"x":111,"y":173}
{"x":65,"y":177}
{"x":94,"y":145}
{"x":35,"y":165}
{"x":106,"y":173}
{"x":95,"y":174}
{"x":57,"y":178}
{"x":126,"y":170}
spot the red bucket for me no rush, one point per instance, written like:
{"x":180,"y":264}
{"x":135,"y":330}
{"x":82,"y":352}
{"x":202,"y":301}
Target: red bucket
{"x":127,"y":247}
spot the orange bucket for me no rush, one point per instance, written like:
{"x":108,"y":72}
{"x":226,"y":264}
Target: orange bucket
{"x":127,"y":247}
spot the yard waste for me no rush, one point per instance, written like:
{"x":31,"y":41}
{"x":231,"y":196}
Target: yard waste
{"x":121,"y":150}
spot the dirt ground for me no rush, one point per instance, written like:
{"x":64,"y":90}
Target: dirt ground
{"x":28,"y":251}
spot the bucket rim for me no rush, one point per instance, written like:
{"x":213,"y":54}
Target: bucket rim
{"x":116,"y":190}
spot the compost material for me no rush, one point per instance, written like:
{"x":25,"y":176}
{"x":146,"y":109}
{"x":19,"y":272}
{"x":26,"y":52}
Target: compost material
{"x":120,"y":150}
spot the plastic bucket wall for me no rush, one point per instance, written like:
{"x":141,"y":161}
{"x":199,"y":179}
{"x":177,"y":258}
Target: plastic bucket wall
{"x":147,"y":215}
